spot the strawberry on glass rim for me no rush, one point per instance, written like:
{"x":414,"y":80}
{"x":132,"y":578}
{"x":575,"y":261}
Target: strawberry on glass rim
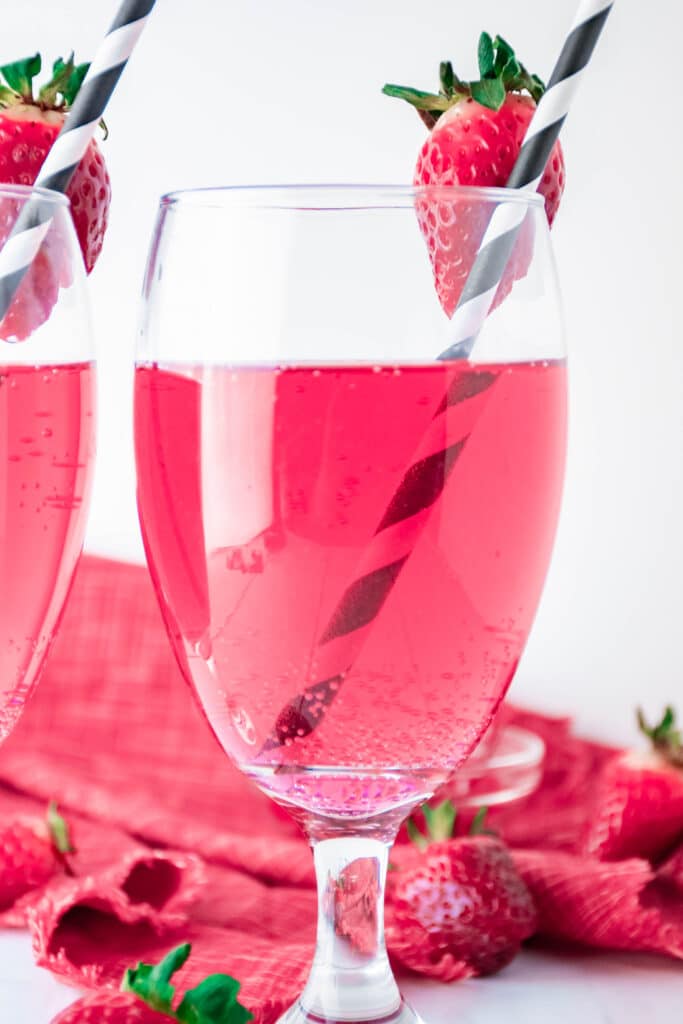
{"x":476,"y":130}
{"x":29,"y":125}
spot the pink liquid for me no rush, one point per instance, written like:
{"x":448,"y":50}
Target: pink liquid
{"x":259,"y":490}
{"x":47,"y":448}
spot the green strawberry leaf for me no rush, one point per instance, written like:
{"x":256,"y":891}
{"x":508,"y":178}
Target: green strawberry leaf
{"x":415,"y":835}
{"x":536,"y":87}
{"x":61,"y":73}
{"x":429,"y":105}
{"x":446,"y":77}
{"x":478,"y":821}
{"x":666,"y":739}
{"x":511,"y":72}
{"x":662,"y":730}
{"x":153,"y":983}
{"x":419,"y":99}
{"x":524,"y":81}
{"x":59,"y":92}
{"x":75,"y":82}
{"x":440,"y":820}
{"x":486,"y":55}
{"x":504,"y":54}
{"x":19,"y":75}
{"x":478,"y":826}
{"x":450,"y":83}
{"x":214,"y":1001}
{"x":501,"y":72}
{"x":490,"y":92}
{"x":59,"y":830}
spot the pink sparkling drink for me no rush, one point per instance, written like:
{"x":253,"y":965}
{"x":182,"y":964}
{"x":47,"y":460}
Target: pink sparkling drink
{"x":47,"y":447}
{"x":259,"y":489}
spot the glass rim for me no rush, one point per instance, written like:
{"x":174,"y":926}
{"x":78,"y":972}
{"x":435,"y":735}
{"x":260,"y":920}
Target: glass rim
{"x":339,"y":196}
{"x":47,"y":195}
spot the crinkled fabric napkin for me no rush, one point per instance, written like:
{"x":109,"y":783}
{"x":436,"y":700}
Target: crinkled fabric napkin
{"x":173,"y":844}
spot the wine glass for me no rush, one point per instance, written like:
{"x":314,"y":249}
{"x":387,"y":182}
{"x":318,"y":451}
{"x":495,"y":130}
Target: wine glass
{"x":348,"y":536}
{"x":47,"y":443}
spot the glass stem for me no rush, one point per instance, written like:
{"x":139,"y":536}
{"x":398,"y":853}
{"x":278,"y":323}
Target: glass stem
{"x":351,"y":979}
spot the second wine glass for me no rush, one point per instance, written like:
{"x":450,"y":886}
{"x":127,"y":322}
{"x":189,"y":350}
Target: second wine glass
{"x":47,"y":443}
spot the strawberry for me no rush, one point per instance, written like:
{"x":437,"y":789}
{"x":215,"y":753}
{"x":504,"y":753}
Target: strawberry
{"x":476,"y":132}
{"x":28,"y":127}
{"x":637,"y":803}
{"x":458,"y":907}
{"x":31,"y":852}
{"x":110,"y":1008}
{"x":147,"y":998}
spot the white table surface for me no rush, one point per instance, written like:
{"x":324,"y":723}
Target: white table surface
{"x":537,"y":988}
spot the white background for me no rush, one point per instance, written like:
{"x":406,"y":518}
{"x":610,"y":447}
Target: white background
{"x":231,"y":91}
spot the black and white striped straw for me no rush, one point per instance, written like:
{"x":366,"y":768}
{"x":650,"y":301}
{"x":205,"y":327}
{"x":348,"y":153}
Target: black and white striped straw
{"x":544,"y":128}
{"x":446,"y":437}
{"x":69,"y":147}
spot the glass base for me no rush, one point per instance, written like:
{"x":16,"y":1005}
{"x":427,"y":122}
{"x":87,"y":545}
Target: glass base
{"x":297,"y":1014}
{"x":507,"y":765}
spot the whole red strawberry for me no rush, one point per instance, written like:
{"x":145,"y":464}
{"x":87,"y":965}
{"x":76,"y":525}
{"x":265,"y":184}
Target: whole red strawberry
{"x":31,"y":852}
{"x":111,"y":1008}
{"x":637,"y":802}
{"x":476,"y":132}
{"x":148,"y":997}
{"x":28,"y":127}
{"x":458,"y":907}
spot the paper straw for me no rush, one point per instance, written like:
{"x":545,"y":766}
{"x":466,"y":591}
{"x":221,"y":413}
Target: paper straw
{"x":69,"y":147}
{"x":423,"y":483}
{"x":544,"y":128}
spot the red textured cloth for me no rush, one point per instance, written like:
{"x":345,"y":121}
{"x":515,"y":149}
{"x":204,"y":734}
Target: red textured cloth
{"x":174,"y":844}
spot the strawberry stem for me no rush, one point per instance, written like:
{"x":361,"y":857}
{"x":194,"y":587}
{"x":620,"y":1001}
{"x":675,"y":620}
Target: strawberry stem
{"x":500,"y":73}
{"x":61,"y":73}
{"x":429,"y":106}
{"x":415,"y":835}
{"x":57,"y":94}
{"x":75,"y":82}
{"x":666,"y":739}
{"x":59,"y":830}
{"x":440,"y":820}
{"x":152,"y":982}
{"x":60,"y":837}
{"x":19,"y":75}
{"x":479,"y":826}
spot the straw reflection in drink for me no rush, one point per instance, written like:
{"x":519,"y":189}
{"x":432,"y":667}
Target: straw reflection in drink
{"x":290,"y":473}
